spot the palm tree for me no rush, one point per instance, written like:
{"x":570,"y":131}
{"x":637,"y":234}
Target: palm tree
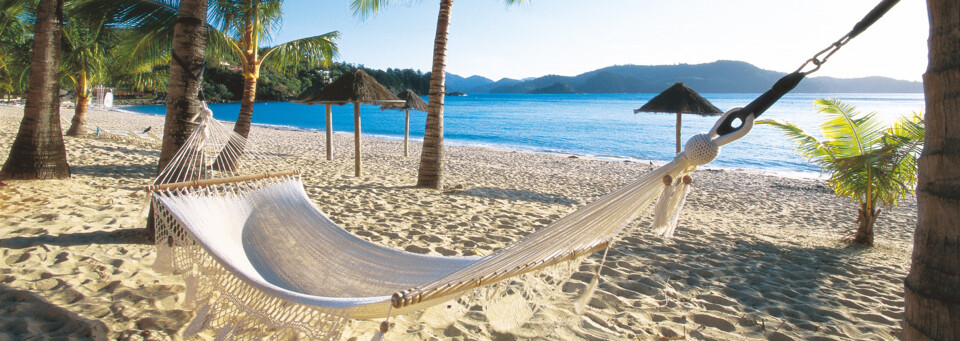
{"x":430,"y":174}
{"x":932,"y":287}
{"x":38,"y":151}
{"x":85,"y":59}
{"x":866,"y":163}
{"x":183,"y":103}
{"x":242,"y":25}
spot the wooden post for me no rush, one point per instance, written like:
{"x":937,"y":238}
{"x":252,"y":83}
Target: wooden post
{"x":329,"y":132}
{"x":678,"y":132}
{"x":358,"y":167}
{"x":406,"y":131}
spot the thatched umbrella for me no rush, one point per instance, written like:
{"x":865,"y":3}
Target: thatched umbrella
{"x":679,"y":99}
{"x":356,"y":87}
{"x":412,"y":101}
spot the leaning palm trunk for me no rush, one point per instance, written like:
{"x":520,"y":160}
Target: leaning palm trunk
{"x":242,"y":126}
{"x":932,"y":287}
{"x":79,"y":121}
{"x":38,"y":151}
{"x":430,"y":174}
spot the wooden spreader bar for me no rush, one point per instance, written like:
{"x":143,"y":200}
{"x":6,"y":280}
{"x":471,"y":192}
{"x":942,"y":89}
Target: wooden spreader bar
{"x":413,"y":296}
{"x":219,"y":181}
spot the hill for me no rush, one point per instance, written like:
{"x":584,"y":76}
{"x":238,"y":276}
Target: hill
{"x":717,"y":77}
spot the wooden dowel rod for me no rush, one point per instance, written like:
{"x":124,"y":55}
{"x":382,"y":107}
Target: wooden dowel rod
{"x":403,"y":299}
{"x":220,"y":181}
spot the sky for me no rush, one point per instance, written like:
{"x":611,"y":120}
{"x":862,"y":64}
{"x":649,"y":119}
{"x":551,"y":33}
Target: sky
{"x":567,"y":37}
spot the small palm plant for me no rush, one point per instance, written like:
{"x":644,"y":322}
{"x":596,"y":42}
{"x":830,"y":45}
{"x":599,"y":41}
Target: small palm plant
{"x":867,"y":162}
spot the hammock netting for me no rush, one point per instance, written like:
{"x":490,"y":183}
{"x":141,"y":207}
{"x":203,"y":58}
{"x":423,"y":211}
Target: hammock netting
{"x":260,"y":260}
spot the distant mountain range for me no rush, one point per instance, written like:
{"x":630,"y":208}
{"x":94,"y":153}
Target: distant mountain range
{"x":722,"y":76}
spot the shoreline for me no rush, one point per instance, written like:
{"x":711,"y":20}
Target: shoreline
{"x":755,"y":256}
{"x":531,"y":150}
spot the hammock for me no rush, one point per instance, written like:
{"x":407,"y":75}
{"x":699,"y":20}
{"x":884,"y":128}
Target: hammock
{"x":258,"y":255}
{"x":260,"y":260}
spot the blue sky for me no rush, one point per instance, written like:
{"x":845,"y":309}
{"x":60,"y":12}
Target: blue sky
{"x":568,"y":37}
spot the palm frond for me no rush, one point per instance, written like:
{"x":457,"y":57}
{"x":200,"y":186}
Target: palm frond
{"x":868,"y":163}
{"x":318,"y":50}
{"x":808,"y":146}
{"x":363,"y":9}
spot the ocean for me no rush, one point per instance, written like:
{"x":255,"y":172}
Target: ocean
{"x":592,"y":125}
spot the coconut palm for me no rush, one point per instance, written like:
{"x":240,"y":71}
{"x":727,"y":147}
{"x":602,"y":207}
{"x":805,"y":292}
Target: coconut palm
{"x":430,"y":174}
{"x":87,"y":42}
{"x":183,"y":102}
{"x":932,"y":288}
{"x":38,"y":151}
{"x":243,"y":25}
{"x":236,"y":29}
{"x":866,"y":162}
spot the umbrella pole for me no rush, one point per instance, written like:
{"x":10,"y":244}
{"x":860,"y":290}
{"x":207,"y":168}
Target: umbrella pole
{"x":678,"y":132}
{"x":329,"y":133}
{"x":406,"y":131}
{"x":358,"y":166}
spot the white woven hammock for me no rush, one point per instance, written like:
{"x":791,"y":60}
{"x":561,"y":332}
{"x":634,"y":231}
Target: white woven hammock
{"x":261,"y":260}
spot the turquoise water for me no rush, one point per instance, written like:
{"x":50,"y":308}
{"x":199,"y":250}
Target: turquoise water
{"x":599,"y":125}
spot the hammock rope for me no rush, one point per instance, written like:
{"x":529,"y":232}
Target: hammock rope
{"x":786,"y":83}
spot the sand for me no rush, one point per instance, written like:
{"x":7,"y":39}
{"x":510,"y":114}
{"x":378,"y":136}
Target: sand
{"x":756,"y":256}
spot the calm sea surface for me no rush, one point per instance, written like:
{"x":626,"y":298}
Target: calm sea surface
{"x":599,"y":125}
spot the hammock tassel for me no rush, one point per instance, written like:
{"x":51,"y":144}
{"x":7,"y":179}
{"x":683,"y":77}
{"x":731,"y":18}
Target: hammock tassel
{"x":198,"y":323}
{"x":164,"y":261}
{"x":587,"y":295}
{"x":145,"y":207}
{"x":667,"y":211}
{"x":384,"y":327}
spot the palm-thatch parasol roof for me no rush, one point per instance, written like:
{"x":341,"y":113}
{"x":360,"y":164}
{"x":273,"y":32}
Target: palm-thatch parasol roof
{"x":412,"y":101}
{"x":355,"y":87}
{"x":680,"y":99}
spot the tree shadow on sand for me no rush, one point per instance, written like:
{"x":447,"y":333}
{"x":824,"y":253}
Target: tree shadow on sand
{"x":515,"y":194}
{"x":28,"y":316}
{"x":123,"y":236}
{"x":811,"y":288}
{"x":134,"y":171}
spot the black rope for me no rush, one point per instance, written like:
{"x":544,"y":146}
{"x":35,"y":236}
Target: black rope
{"x":790,"y":81}
{"x":198,"y":76}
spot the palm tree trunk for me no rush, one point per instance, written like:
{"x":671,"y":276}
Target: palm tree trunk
{"x":242,"y":126}
{"x":866,"y":218}
{"x":932,"y":288}
{"x":79,"y":121}
{"x":430,"y":174}
{"x":189,"y":44}
{"x":183,"y":103}
{"x":229,"y":156}
{"x":38,"y":151}
{"x":80,"y":111}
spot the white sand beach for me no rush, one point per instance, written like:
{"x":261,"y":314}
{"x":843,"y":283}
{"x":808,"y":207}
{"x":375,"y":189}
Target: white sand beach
{"x":755,"y":256}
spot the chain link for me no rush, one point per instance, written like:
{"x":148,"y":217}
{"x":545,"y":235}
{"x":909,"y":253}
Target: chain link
{"x":817,"y":60}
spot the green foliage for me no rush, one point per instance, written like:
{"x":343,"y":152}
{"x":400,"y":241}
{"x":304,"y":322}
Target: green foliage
{"x":867,"y":162}
{"x":15,"y":30}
